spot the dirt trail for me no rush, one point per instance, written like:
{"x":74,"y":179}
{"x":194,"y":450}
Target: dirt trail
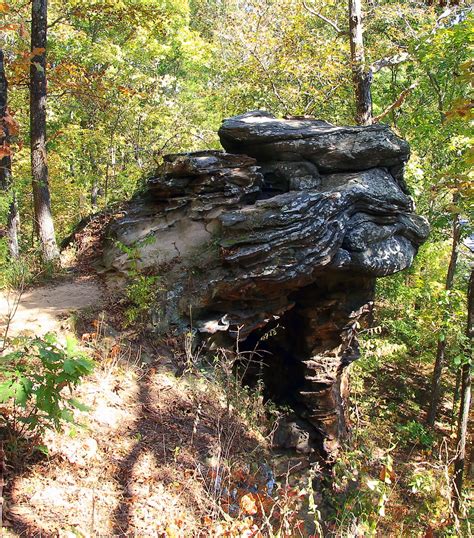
{"x":43,"y":309}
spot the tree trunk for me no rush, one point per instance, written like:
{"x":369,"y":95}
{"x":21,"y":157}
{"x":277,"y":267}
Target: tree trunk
{"x":95,"y":189}
{"x":440,"y":354}
{"x":94,"y":194}
{"x":13,"y":228}
{"x":13,"y":220}
{"x":457,"y":386}
{"x":465,"y":402}
{"x":361,"y":76}
{"x":39,"y":168}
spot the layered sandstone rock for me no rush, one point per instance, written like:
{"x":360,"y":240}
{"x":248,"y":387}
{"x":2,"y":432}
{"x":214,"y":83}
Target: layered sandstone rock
{"x":277,"y":242}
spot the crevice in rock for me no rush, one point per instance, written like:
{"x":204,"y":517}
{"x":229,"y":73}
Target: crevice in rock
{"x":301,"y":358}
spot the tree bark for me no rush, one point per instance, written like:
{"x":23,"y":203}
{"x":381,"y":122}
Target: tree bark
{"x":95,"y":189}
{"x":13,"y":220}
{"x":465,"y":402}
{"x":361,"y":76}
{"x":42,"y":202}
{"x":440,"y":353}
{"x":457,"y":386}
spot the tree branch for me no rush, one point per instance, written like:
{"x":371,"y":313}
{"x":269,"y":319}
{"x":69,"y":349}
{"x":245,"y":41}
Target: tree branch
{"x":60,"y":19}
{"x":397,"y":103}
{"x":270,"y":79}
{"x":323,"y":18}
{"x":389,"y":61}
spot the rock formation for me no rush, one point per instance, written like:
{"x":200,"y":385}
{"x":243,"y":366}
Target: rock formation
{"x":277,"y":242}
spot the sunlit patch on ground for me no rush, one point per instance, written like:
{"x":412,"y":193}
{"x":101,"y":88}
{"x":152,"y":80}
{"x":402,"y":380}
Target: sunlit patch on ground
{"x":140,"y":462}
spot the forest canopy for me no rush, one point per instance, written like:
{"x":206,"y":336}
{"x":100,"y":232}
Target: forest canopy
{"x":130,"y":80}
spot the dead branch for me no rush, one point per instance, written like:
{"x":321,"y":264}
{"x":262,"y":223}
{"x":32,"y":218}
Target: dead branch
{"x":397,"y":103}
{"x":389,"y":61}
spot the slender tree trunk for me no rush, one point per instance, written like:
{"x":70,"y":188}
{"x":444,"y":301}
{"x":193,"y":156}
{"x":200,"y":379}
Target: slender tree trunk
{"x":13,"y":219}
{"x":361,"y":76}
{"x":457,"y":386}
{"x":95,"y":189}
{"x":13,"y":227}
{"x":94,"y":194}
{"x":39,"y":168}
{"x":465,"y":401}
{"x":440,"y":353}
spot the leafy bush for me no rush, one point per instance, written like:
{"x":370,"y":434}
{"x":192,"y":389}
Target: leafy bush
{"x":32,"y":382}
{"x":141,"y":293}
{"x":415,"y":433}
{"x":14,"y":273}
{"x":360,"y":491}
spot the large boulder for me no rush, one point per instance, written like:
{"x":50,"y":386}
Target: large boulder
{"x":277,"y":243}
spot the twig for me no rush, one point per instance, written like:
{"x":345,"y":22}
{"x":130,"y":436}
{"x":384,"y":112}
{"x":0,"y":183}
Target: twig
{"x":270,"y":80}
{"x":12,"y":310}
{"x":92,"y":525}
{"x":2,"y":481}
{"x":323,"y":18}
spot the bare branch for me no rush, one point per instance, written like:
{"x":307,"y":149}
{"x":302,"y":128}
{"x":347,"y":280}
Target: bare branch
{"x":446,"y":13}
{"x":270,"y":79}
{"x":389,"y":61}
{"x":397,"y":103}
{"x":59,"y":20}
{"x":323,"y":18}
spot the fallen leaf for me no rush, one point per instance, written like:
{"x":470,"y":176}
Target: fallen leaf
{"x":248,"y":504}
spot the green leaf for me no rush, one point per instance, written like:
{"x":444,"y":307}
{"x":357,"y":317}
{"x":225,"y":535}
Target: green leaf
{"x":67,"y":415}
{"x":78,"y":405}
{"x":71,"y":345}
{"x":23,"y":393}
{"x":49,"y":338}
{"x":69,"y":366}
{"x":7,"y":391}
{"x":43,"y":449}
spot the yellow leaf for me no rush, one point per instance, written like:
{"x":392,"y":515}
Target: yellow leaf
{"x":4,"y":8}
{"x":248,"y":505}
{"x":8,"y":26}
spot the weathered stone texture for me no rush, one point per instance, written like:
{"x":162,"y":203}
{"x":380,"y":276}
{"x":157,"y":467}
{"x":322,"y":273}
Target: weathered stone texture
{"x":285,"y":232}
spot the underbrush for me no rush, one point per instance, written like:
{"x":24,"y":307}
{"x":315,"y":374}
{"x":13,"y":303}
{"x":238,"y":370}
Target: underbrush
{"x":175,"y":445}
{"x":395,"y":477}
{"x":37,"y":380}
{"x":162,"y":451}
{"x":18,"y":274}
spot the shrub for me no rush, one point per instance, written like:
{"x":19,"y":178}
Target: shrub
{"x":142,"y":289}
{"x":33,"y":379}
{"x":415,"y":433}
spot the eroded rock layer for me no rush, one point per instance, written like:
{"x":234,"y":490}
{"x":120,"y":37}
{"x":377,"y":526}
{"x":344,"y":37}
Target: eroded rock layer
{"x":284,"y":235}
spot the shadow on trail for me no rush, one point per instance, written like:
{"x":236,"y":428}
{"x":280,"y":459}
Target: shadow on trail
{"x":180,"y":434}
{"x":179,"y":430}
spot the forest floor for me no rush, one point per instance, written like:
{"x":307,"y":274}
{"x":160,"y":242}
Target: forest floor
{"x":168,"y":449}
{"x":162,"y":451}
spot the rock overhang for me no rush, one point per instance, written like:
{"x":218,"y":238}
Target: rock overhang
{"x":288,"y":227}
{"x":277,"y":222}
